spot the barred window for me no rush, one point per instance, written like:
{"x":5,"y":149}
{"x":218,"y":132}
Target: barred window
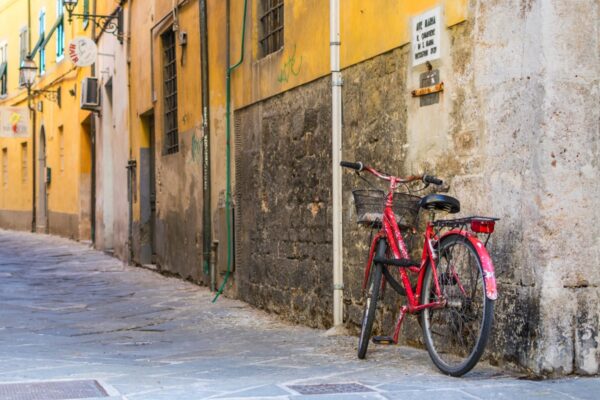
{"x":271,"y":24}
{"x":171,"y":137}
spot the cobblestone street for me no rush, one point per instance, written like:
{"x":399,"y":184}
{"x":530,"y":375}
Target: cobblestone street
{"x":69,"y":313}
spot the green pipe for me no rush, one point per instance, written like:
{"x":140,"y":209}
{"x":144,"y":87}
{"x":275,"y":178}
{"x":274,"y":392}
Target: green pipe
{"x":228,"y":148}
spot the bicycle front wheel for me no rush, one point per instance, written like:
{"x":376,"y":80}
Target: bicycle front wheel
{"x":456,"y":335}
{"x":372,"y":295}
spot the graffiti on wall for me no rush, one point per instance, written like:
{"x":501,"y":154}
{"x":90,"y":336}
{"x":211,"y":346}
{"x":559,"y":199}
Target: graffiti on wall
{"x":291,"y":67}
{"x":196,"y":149}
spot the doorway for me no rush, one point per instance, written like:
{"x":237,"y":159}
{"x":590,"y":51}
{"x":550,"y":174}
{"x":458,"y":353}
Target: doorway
{"x":148,"y":191}
{"x":86,"y":200}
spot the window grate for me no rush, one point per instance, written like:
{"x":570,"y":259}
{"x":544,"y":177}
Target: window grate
{"x":171,"y":142}
{"x":271,"y":21}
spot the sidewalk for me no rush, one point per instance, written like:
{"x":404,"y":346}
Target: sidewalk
{"x":69,"y":313}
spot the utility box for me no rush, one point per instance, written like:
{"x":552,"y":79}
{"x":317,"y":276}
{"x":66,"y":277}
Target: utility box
{"x":90,"y":94}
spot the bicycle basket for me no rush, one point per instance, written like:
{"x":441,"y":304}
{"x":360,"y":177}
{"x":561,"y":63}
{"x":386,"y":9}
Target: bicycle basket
{"x":370,"y":204}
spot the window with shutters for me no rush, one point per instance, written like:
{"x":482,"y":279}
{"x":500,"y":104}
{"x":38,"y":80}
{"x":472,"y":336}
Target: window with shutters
{"x":271,"y":26}
{"x":23,"y":48}
{"x":86,"y":12}
{"x":171,"y":137}
{"x":60,"y":30}
{"x":3,"y":69}
{"x":42,"y":51}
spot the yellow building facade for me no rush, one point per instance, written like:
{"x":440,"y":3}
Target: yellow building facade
{"x":60,"y":179}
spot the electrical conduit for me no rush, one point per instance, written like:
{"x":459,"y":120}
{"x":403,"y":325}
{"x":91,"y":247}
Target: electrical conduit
{"x":230,"y":69}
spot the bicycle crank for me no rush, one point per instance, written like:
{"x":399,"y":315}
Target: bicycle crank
{"x":383,"y":340}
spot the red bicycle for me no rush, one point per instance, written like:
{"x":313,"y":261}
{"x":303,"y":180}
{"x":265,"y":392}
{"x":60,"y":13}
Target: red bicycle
{"x":455,"y":284}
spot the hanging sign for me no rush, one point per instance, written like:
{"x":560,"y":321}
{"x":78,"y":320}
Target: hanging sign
{"x":82,"y":51}
{"x":426,"y":32}
{"x":14,"y":122}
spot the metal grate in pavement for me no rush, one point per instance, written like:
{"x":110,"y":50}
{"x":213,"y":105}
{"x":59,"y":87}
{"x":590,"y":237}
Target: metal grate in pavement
{"x":330,"y":388}
{"x":56,"y":390}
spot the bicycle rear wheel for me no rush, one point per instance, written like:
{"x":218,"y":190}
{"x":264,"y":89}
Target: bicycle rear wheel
{"x":456,"y":335}
{"x":372,"y":295}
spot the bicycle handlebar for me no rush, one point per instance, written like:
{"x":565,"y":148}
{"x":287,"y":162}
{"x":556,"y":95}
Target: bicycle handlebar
{"x":432,"y":179}
{"x":359,"y":166}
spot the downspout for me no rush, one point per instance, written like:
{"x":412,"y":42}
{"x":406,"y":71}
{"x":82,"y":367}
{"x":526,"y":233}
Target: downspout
{"x":206,"y":198}
{"x":33,"y":131}
{"x":228,"y":140}
{"x":93,"y":140}
{"x":34,"y":180}
{"x":336,"y":156}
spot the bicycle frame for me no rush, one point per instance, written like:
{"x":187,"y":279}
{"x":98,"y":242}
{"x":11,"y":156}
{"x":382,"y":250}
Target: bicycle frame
{"x":391,"y":231}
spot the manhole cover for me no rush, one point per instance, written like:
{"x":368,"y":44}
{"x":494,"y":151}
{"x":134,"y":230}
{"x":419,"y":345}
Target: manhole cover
{"x":330,"y":388}
{"x":58,"y":390}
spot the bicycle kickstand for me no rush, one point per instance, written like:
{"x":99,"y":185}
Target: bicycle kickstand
{"x":394,"y":339}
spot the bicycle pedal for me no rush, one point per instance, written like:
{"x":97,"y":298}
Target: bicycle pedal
{"x":383,"y":340}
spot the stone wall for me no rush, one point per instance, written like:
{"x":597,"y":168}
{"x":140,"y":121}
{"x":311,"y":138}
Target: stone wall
{"x":515,"y":135}
{"x":283,"y":191}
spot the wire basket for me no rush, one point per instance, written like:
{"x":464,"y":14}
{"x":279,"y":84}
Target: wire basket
{"x":370,"y":204}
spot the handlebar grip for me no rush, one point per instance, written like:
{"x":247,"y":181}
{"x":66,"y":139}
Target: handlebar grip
{"x":432,"y":179}
{"x":352,"y":165}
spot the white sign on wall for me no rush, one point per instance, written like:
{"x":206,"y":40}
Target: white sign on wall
{"x":14,"y":122}
{"x":426,"y":33}
{"x":82,"y":51}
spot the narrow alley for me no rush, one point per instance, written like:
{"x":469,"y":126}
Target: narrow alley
{"x":70,"y":316}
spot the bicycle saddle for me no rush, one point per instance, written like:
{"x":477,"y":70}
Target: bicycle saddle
{"x":440,"y":202}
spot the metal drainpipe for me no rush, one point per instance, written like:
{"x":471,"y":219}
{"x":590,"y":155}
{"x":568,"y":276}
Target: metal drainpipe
{"x":34,"y":171}
{"x":93,"y":140}
{"x":336,"y":155}
{"x":228,"y":141}
{"x":33,"y":130}
{"x":206,"y":198}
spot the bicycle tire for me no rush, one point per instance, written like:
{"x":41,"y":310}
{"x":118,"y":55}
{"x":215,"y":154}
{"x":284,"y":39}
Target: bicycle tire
{"x":456,"y":335}
{"x":372,"y":295}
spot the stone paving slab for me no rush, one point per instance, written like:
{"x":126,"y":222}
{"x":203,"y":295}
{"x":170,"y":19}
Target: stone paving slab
{"x":68,"y":312}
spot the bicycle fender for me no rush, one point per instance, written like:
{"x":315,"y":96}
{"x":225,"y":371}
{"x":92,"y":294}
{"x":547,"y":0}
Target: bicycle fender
{"x":489,"y":276}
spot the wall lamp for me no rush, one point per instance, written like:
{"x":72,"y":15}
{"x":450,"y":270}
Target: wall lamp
{"x":112,"y":24}
{"x":27,"y":73}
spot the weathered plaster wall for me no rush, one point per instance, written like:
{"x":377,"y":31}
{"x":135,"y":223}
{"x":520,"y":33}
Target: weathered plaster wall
{"x":112,"y":147}
{"x":179,"y":175}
